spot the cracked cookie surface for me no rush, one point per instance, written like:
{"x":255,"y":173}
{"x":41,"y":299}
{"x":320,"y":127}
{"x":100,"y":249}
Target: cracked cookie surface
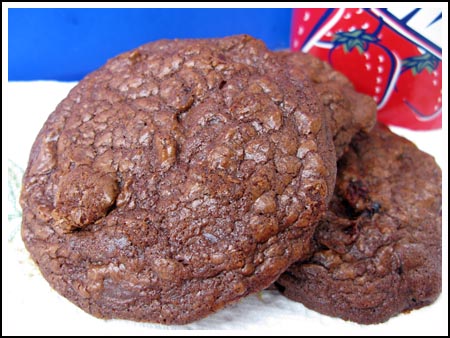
{"x":378,"y":251}
{"x":348,"y":111}
{"x":178,"y":178}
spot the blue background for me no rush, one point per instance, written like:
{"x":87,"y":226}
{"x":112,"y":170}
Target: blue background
{"x":66,"y":44}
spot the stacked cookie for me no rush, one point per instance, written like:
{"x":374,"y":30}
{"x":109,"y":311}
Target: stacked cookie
{"x":377,"y":252}
{"x":187,"y":174}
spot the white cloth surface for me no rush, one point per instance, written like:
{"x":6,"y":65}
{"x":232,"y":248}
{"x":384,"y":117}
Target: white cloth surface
{"x":31,"y":306}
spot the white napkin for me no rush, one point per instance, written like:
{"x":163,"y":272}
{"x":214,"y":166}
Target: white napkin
{"x":31,"y":306}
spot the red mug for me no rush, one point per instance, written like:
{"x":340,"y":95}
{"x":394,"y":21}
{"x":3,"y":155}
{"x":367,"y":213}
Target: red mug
{"x":393,"y":55}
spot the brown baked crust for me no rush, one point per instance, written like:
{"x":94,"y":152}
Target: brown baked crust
{"x":349,"y":112}
{"x":178,"y":178}
{"x":378,"y":252}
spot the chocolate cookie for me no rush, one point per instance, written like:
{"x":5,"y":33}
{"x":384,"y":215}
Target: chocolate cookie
{"x":349,"y":111}
{"x":180,"y":177}
{"x":378,"y":251}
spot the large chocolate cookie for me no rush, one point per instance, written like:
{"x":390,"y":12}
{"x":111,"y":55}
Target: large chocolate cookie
{"x":378,"y":252}
{"x":179,"y":177}
{"x":349,"y":112}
